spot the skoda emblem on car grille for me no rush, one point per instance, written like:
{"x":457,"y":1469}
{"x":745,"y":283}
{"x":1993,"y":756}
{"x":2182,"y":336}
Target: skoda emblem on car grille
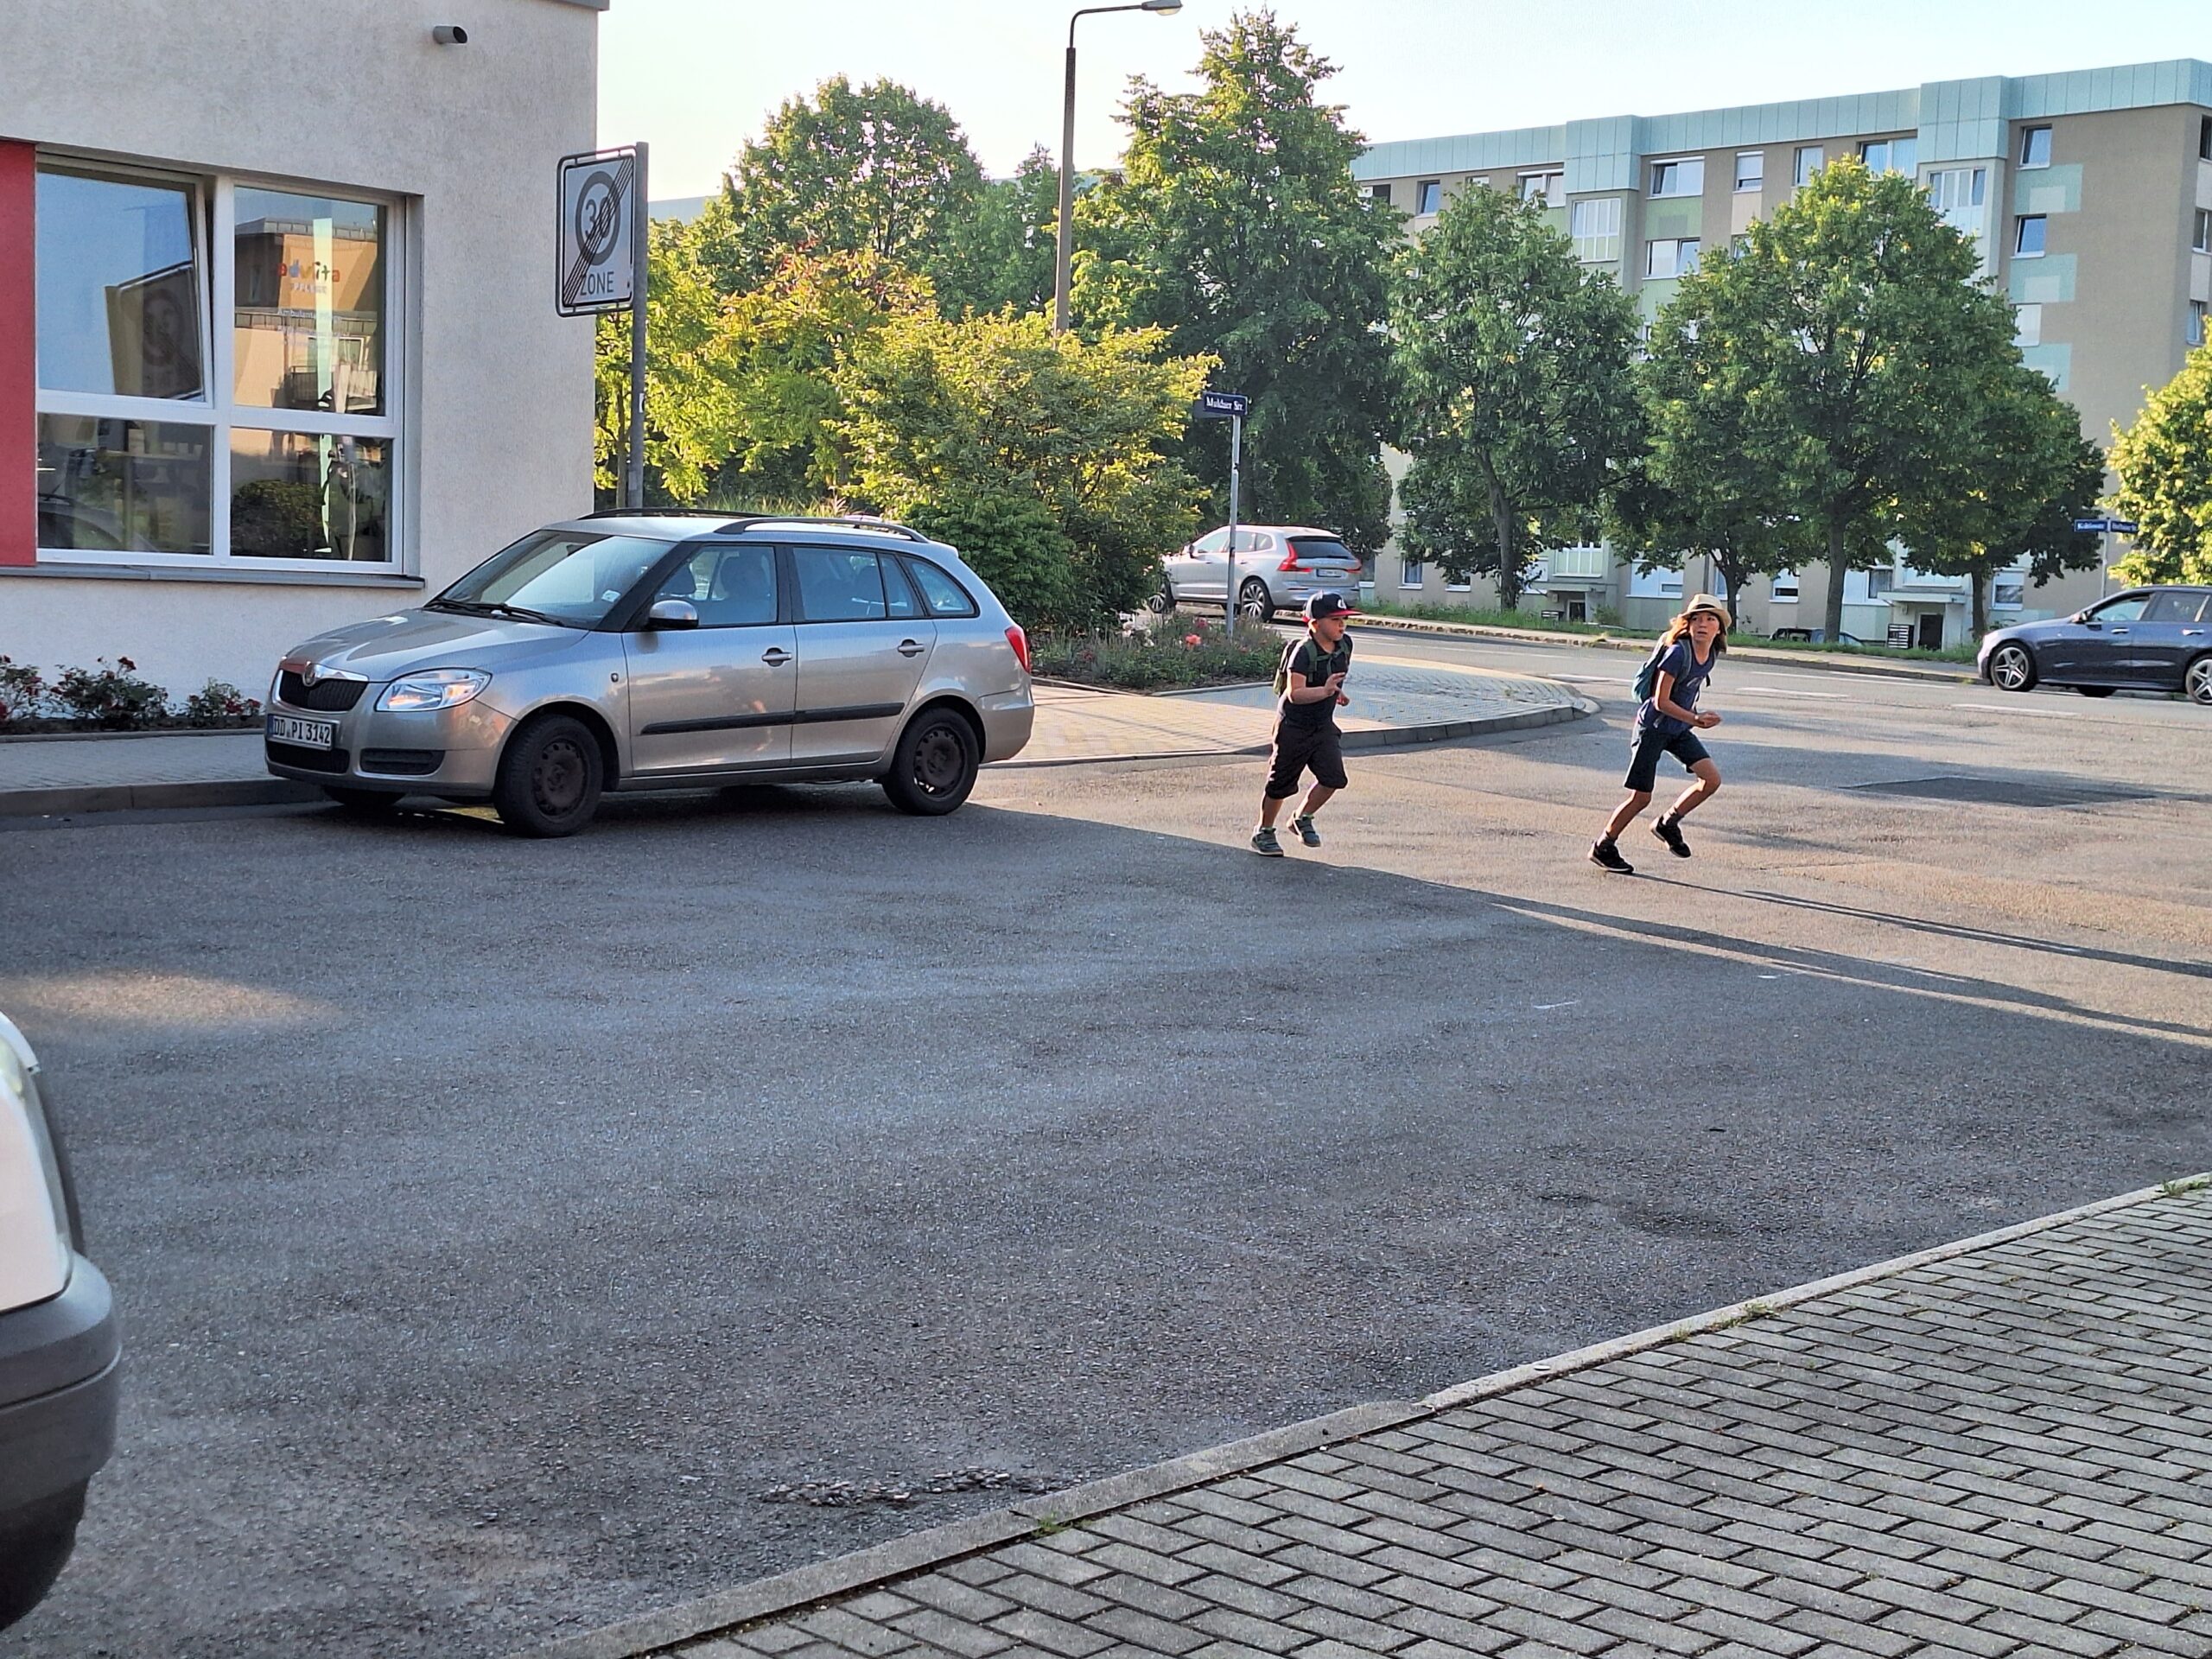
{"x":310,"y":675}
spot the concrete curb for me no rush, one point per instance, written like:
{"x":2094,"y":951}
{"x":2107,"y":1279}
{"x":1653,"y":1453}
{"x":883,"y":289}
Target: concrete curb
{"x":1442,"y":731}
{"x":1826,"y":662}
{"x":788,"y":1592}
{"x":85,"y":798}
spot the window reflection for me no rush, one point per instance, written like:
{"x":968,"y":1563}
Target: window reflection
{"x":309,"y":301}
{"x":305,"y":495}
{"x":122,"y":485}
{"x":118,"y":294}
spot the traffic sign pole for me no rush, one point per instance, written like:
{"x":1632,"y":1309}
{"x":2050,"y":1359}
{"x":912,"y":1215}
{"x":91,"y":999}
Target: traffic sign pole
{"x":1235,"y":465}
{"x":634,"y":473}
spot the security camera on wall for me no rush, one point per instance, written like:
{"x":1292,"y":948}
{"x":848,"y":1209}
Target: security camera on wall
{"x":450,"y":34}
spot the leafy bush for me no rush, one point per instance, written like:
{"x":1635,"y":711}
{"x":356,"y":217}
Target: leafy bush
{"x":22,"y":691}
{"x":1159,"y":653}
{"x":271,"y":518}
{"x":218,"y":703}
{"x":115,"y":698}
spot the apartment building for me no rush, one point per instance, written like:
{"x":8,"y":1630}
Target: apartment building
{"x":2089,"y":194}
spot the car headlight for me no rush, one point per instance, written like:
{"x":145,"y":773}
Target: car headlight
{"x":436,"y":688}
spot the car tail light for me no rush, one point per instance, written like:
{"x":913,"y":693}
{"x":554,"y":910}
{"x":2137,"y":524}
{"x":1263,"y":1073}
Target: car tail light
{"x":1290,"y":562}
{"x":1020,"y":641}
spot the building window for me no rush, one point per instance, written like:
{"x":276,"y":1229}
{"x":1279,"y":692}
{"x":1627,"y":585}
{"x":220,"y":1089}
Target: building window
{"x":2202,"y":240}
{"x":1879,"y":580}
{"x":1676,"y":256}
{"x":1811,"y":158}
{"x":2035,"y":146}
{"x":2008,"y":590}
{"x":2028,"y":241}
{"x":1428,"y":195}
{"x":1595,"y":225}
{"x":2027,"y":325}
{"x":2196,"y":308}
{"x":1751,"y":170}
{"x":1410,"y":573}
{"x":1464,"y":585}
{"x":213,"y":364}
{"x":1685,"y":178}
{"x":1891,"y":155}
{"x":1957,"y":193}
{"x":1379,"y":193}
{"x":1782,"y":588}
{"x":2204,"y":139}
{"x":1542,"y":187}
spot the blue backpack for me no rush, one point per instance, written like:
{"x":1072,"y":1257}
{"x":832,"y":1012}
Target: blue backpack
{"x":1647,"y":677}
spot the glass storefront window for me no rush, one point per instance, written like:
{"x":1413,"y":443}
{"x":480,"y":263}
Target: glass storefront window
{"x":122,"y":485}
{"x":119,"y":286}
{"x":309,"y":495}
{"x":309,"y":272}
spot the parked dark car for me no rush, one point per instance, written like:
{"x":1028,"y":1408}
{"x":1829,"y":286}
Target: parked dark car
{"x":2145,"y":639}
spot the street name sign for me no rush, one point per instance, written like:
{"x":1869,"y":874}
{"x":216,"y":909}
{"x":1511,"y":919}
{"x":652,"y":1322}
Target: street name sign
{"x":598,"y":201}
{"x":2121,"y":526}
{"x":1222,"y":405}
{"x":2106,"y":526}
{"x":2090,"y":526}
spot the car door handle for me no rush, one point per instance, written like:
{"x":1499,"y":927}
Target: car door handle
{"x":2192,"y":633}
{"x":912,"y":648}
{"x":2117,"y":631}
{"x":775,"y":656}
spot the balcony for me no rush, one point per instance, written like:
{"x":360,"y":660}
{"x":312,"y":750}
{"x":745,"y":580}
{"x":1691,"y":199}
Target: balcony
{"x":1577,"y":564}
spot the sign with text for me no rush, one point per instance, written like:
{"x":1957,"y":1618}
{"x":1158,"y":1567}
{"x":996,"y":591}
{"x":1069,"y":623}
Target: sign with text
{"x":2103,"y":527}
{"x":1222,"y":405}
{"x":599,"y":200}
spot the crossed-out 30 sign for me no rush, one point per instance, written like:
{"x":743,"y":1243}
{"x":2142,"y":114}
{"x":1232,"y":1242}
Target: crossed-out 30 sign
{"x":599,"y":197}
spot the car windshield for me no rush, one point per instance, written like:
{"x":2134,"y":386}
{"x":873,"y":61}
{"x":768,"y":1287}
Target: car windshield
{"x":570,"y":577}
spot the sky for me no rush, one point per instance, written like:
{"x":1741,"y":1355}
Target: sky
{"x":696,"y":78}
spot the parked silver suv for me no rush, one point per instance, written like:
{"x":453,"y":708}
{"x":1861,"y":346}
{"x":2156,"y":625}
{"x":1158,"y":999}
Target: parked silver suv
{"x":1279,"y":568}
{"x":665,"y":650}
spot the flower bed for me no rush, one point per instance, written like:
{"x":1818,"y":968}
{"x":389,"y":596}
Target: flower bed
{"x":111,"y":697}
{"x":1159,"y":653}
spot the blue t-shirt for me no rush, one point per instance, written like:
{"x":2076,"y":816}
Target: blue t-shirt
{"x":1690,"y":676}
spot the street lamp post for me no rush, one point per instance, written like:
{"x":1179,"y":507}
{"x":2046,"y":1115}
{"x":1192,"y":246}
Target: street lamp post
{"x":1065,"y":255}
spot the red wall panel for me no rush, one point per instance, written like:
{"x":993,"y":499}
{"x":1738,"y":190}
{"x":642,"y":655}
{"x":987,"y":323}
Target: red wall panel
{"x":19,"y":355}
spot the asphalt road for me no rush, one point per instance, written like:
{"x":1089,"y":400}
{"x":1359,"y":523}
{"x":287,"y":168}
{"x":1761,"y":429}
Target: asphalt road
{"x":499,"y":1225}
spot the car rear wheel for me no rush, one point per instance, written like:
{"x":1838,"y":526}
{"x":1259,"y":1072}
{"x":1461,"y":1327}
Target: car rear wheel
{"x":934,"y":767}
{"x":34,"y":1545}
{"x":2096,"y":690}
{"x":2012,"y":668}
{"x":369,"y":802}
{"x":549,"y":778}
{"x":1254,"y":604}
{"x":2196,"y":681}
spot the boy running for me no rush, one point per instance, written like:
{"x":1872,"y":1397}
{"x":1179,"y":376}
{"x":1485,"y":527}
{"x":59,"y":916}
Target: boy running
{"x":1312,"y":677}
{"x":1667,"y":722}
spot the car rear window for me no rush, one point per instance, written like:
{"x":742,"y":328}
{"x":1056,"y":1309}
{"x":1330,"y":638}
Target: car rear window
{"x":1325,"y":549}
{"x":2176,"y":607}
{"x":943,"y":596}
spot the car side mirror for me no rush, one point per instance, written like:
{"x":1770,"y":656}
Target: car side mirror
{"x":672,"y":613}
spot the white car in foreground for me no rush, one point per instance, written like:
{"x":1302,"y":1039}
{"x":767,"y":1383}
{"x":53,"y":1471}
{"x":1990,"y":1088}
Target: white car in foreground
{"x":59,"y":1356}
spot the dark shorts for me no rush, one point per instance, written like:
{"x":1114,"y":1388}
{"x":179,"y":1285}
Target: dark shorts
{"x":1649,"y":744}
{"x":1305,"y":748}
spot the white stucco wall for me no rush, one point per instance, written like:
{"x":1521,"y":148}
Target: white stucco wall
{"x":496,"y":415}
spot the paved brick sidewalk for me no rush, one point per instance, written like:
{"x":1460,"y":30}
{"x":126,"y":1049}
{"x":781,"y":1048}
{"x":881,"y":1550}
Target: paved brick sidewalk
{"x":1396,"y":704}
{"x":1999,"y":1449}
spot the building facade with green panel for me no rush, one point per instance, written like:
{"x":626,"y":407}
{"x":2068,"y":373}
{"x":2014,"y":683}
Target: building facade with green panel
{"x":2089,"y":194}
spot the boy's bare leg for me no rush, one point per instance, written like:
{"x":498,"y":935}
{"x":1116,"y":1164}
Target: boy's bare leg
{"x":1270,"y":810}
{"x":1624,"y":814}
{"x":1316,"y":799}
{"x":1707,"y":786}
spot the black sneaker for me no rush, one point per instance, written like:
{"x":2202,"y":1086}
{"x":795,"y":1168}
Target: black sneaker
{"x":1670,"y":831}
{"x":1606,"y":856}
{"x":1304,"y":824}
{"x":1265,"y":844}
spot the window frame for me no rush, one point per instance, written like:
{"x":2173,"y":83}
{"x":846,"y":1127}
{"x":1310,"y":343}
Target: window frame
{"x":2199,"y":328}
{"x":1592,"y":206}
{"x":2020,"y":249}
{"x":2200,"y":239}
{"x":1775,"y":593}
{"x":1757,"y":181}
{"x":1381,"y":193}
{"x":1552,"y":179}
{"x":1677,"y":268}
{"x":2023,"y":158}
{"x":218,"y":411}
{"x":1412,"y":573}
{"x":1799,"y":171}
{"x":1421,"y":197}
{"x":1672,"y":170}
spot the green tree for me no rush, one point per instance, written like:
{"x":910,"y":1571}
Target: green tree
{"x":691,"y":412}
{"x":1236,"y":224}
{"x":874,"y":170}
{"x":1048,"y":460}
{"x":1518,"y":405}
{"x":2164,"y":463}
{"x":2034,"y":473}
{"x":1001,"y":255}
{"x":1852,"y":328}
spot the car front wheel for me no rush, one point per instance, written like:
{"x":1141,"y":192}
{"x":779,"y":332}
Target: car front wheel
{"x":934,"y":765}
{"x":549,"y":778}
{"x":1253,"y":602}
{"x":2012,"y":669}
{"x":2196,"y":681}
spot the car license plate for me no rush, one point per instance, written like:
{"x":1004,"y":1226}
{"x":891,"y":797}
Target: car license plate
{"x":308,"y":733}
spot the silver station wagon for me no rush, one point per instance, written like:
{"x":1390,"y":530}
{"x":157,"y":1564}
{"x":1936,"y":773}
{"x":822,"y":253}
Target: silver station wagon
{"x":665,"y":650}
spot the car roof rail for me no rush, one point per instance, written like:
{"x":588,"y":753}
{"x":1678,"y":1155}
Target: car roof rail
{"x":766,"y":520}
{"x":658,"y":512}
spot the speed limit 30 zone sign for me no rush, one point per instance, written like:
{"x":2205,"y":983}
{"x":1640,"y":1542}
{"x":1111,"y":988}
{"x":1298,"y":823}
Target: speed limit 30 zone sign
{"x":599,"y":195}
